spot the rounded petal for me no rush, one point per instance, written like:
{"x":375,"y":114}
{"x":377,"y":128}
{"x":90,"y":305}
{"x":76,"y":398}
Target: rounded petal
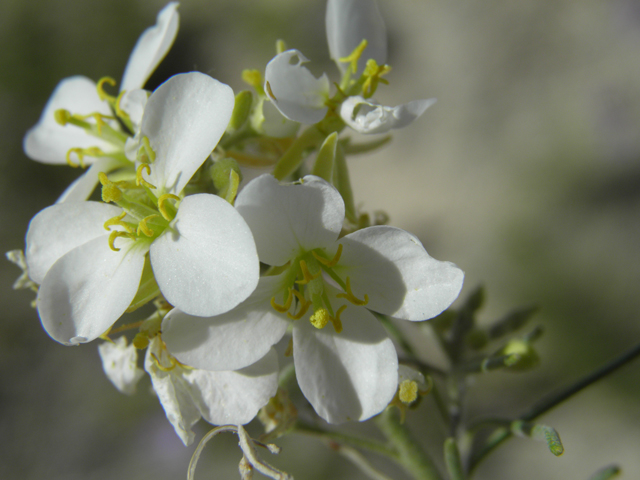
{"x":368,"y":117}
{"x":348,"y":22}
{"x":87,"y":290}
{"x":60,"y":228}
{"x":275,"y":124}
{"x":132,"y":103}
{"x":229,"y":341}
{"x":294,"y":90}
{"x":392,"y":267}
{"x":209,"y":264}
{"x":83,"y":186}
{"x":351,"y":375}
{"x":184,"y":119}
{"x":285,"y":219}
{"x":151,"y":48}
{"x":234,"y":397}
{"x":48,"y":141}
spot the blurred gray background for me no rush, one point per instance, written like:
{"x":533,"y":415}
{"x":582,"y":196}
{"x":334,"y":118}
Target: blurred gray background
{"x":526,"y":174}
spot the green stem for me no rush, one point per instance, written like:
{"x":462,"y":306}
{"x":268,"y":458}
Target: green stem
{"x":555,"y":399}
{"x":293,"y":157}
{"x":412,"y":457}
{"x":342,"y":182}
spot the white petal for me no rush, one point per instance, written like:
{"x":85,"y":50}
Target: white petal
{"x":348,"y":22}
{"x":351,"y":375}
{"x":275,"y":124}
{"x":411,"y":374}
{"x":229,"y":341}
{"x":83,"y":186}
{"x":294,"y":90}
{"x":60,"y":228}
{"x":133,"y":103}
{"x":234,"y":397}
{"x":210,"y":265}
{"x":48,"y":141}
{"x":120,"y":364}
{"x":184,"y":119}
{"x":151,"y":48}
{"x":172,"y":391}
{"x":87,"y":290}
{"x":368,"y":117}
{"x":286,"y":219}
{"x":392,"y":267}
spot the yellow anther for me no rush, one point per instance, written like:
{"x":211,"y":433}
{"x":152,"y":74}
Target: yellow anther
{"x":81,"y":153}
{"x":333,"y":261}
{"x":121,"y":113}
{"x":304,"y":306}
{"x":116,"y":234}
{"x":408,"y":391}
{"x":110,"y":190}
{"x":140,"y":341}
{"x":271,"y":94}
{"x":172,"y":361}
{"x":161,"y":207}
{"x":351,"y":297}
{"x":287,"y":305}
{"x":320,"y":318}
{"x":354,"y":56}
{"x":306,"y":274}
{"x":62,"y":116}
{"x":337,"y":323}
{"x":142,"y":226}
{"x":100,"y":87}
{"x":145,"y":153}
{"x":373,"y":72}
{"x":118,"y":221}
{"x":139,"y":179}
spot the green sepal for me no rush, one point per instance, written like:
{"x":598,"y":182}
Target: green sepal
{"x":452,"y":460}
{"x":148,"y":288}
{"x":241,"y":110}
{"x":325,"y":160}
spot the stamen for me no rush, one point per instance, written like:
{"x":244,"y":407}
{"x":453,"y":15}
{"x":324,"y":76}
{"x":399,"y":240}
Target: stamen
{"x":337,"y":323}
{"x":116,"y":234}
{"x":62,"y":116}
{"x":304,"y":306}
{"x":172,"y":360}
{"x":329,"y":263}
{"x":287,"y":305}
{"x":354,"y":56}
{"x":306,"y":274}
{"x":270,"y":91}
{"x":139,"y":179}
{"x":142,"y":226}
{"x":121,"y":113}
{"x":320,"y":318}
{"x":163,"y":198}
{"x":80,"y":153}
{"x":145,"y":152}
{"x":110,"y":190}
{"x":289,"y":351}
{"x":373,"y":72}
{"x":351,"y":297}
{"x":100,"y":88}
{"x":408,"y":391}
{"x":118,"y":221}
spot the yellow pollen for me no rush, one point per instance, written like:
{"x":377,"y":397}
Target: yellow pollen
{"x":374,"y":72}
{"x":100,"y":87}
{"x":118,"y":221}
{"x":161,"y":207}
{"x":62,"y":116}
{"x":304,"y":306}
{"x":306,"y":274}
{"x":408,"y":391}
{"x":139,"y":179}
{"x":270,"y":91}
{"x":333,"y":261}
{"x":354,"y":56}
{"x":110,"y":190}
{"x":320,"y":318}
{"x":142,"y":226}
{"x":116,"y":234}
{"x":282,"y":308}
{"x":351,"y":297}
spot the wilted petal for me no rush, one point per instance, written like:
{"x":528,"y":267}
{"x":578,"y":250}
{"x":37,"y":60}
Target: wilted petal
{"x":60,"y":228}
{"x":210,"y":265}
{"x":184,"y":119}
{"x":234,"y":397}
{"x":294,"y":90}
{"x":83,"y":186}
{"x":48,"y":141}
{"x":348,"y":22}
{"x":229,"y":341}
{"x":351,"y":375}
{"x":368,"y":117}
{"x":120,"y":364}
{"x":392,"y":267}
{"x":88,"y":289}
{"x":151,"y":48}
{"x":172,"y":391}
{"x":287,"y":218}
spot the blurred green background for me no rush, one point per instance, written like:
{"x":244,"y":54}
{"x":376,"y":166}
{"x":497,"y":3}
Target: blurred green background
{"x":526,"y":174}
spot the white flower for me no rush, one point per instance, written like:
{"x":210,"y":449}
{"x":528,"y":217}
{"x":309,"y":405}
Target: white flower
{"x":369,"y":117}
{"x":50,"y":142}
{"x":119,"y":362}
{"x":347,"y":371}
{"x":221,"y":398}
{"x":204,"y":259}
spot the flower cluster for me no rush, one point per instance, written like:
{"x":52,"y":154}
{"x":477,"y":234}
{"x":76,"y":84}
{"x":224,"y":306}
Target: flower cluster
{"x":226,"y":270}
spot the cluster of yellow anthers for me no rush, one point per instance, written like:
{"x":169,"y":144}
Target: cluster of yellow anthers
{"x":371,"y":76}
{"x":100,"y":128}
{"x":308,"y":268}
